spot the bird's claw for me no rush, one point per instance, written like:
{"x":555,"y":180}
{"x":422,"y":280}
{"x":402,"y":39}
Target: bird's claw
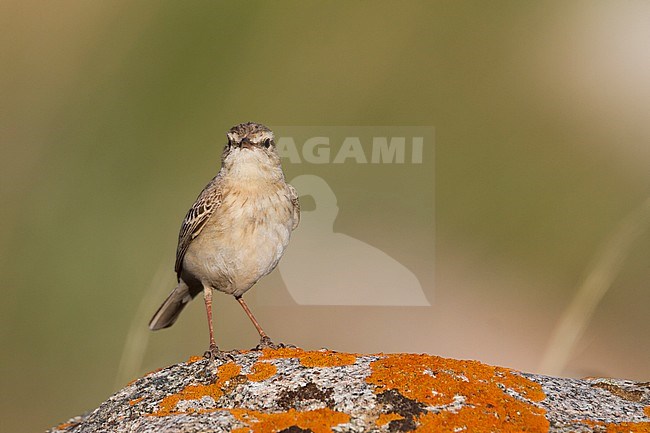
{"x":266,"y":343}
{"x":216,"y":354}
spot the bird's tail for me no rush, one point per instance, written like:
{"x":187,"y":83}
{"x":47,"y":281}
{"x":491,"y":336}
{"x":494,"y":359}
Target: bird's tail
{"x":172,"y":307}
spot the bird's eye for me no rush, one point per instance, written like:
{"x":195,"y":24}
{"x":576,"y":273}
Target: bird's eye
{"x":267,"y":142}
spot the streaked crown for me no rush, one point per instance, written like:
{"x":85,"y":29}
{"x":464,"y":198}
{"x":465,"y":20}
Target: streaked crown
{"x":250,"y":133}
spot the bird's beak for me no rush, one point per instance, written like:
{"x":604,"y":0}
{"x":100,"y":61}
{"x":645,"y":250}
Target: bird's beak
{"x":246,"y":143}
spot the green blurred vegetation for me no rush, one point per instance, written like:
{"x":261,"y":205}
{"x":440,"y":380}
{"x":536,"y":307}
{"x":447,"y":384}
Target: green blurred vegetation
{"x":114,"y":115}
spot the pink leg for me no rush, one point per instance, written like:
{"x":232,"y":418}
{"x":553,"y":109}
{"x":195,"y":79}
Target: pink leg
{"x":265,"y":338}
{"x":207,"y":296}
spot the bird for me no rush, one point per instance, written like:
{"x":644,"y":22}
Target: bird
{"x":236,"y":231}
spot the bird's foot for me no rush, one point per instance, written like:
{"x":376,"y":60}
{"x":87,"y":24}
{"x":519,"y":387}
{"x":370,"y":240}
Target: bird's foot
{"x":216,"y":354}
{"x":266,"y":343}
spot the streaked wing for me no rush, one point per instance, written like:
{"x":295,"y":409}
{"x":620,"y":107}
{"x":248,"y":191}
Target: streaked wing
{"x":293,"y":195}
{"x":197,"y":216}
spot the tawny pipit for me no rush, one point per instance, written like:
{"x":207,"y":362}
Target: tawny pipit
{"x":237,"y":230}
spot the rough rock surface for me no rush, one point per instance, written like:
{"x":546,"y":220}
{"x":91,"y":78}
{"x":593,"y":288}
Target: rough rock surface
{"x":294,"y":391}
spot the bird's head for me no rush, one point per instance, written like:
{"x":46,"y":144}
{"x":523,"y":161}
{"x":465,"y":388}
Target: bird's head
{"x":251,"y":136}
{"x":250,"y":142}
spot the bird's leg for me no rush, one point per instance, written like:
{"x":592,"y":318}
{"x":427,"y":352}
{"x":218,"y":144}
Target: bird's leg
{"x":265,"y":341}
{"x":207,"y":296}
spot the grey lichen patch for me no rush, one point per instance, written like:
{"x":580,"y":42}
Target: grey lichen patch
{"x":203,"y":404}
{"x":573,"y":404}
{"x":220,"y":421}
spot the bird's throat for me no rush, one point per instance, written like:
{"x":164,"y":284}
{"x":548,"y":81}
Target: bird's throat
{"x":247,"y":165}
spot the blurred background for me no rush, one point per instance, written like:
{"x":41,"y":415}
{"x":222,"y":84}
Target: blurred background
{"x":113,"y":117}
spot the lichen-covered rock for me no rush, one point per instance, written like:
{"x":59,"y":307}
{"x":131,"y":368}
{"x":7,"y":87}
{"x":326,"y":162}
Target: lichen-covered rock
{"x":294,"y":391}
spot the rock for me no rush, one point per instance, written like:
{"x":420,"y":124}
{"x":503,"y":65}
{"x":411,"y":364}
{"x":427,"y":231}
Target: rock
{"x":290,"y":390}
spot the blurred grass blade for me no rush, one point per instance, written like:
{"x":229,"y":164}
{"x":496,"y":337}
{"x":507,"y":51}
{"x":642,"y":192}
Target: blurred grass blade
{"x":599,"y":278}
{"x":137,"y":338}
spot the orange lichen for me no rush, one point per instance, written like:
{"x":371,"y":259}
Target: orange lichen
{"x":327,"y":359}
{"x":318,"y":421}
{"x":284,"y":352}
{"x":261,"y":371}
{"x":385,"y":418}
{"x":225,"y":374}
{"x":65,"y":425}
{"x":646,"y":411}
{"x":135,"y":401}
{"x":435,"y":381}
{"x":629,"y":427}
{"x":317,"y":358}
{"x":193,"y":359}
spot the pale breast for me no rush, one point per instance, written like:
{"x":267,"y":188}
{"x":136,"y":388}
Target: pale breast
{"x":244,"y":239}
